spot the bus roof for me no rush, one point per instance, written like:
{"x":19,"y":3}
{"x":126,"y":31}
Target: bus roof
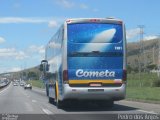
{"x":95,"y":20}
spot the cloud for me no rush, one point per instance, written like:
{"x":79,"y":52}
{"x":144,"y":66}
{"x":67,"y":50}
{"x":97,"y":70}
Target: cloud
{"x":52,"y":24}
{"x":151,"y":37}
{"x":95,"y":10}
{"x":71,"y":4}
{"x":21,"y":20}
{"x":37,"y":49}
{"x":9,"y":69}
{"x":83,"y":6}
{"x":14,"y":69}
{"x":65,"y":3}
{"x":132,"y":33}
{"x":16,"y":20}
{"x":2,"y":40}
{"x":12,"y":53}
{"x":20,"y":55}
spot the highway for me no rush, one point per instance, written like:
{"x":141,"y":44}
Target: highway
{"x":16,"y":100}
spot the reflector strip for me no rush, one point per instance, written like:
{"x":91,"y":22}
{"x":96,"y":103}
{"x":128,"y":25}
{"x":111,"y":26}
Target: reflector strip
{"x":93,"y":81}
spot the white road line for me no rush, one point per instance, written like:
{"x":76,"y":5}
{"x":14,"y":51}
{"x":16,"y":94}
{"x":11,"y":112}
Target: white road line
{"x":47,"y":111}
{"x":34,"y":101}
{"x":149,"y":112}
{"x":5,"y":88}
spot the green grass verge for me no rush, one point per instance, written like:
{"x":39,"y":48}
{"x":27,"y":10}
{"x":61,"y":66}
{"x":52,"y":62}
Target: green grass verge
{"x":143,"y":93}
{"x":141,"y":80}
{"x":37,"y":83}
{"x":141,"y":87}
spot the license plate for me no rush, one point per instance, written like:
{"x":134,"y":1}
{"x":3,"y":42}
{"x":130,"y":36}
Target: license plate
{"x":95,"y":90}
{"x":95,"y":84}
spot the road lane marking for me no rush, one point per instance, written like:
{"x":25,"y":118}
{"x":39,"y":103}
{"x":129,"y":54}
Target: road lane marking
{"x":47,"y":111}
{"x":34,"y":101}
{"x":149,"y":112}
{"x":5,"y":88}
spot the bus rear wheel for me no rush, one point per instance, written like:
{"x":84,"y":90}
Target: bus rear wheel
{"x":51,"y":100}
{"x":59,"y":104}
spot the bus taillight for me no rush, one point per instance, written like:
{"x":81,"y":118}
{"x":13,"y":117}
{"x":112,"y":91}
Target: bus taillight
{"x":124,"y":75}
{"x":65,"y":76}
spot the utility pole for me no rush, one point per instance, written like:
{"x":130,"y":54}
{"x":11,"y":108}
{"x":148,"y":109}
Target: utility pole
{"x":153,"y":54}
{"x":141,"y":52}
{"x":158,"y":55}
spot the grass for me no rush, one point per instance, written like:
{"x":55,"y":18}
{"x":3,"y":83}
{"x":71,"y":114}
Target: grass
{"x":142,"y":80}
{"x":143,"y":93}
{"x":37,"y":83}
{"x":142,"y":88}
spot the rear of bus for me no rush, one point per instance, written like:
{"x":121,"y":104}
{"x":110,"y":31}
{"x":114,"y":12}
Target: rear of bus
{"x":96,"y":60}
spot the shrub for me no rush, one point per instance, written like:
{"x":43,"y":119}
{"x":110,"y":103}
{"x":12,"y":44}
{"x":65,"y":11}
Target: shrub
{"x":156,"y":83}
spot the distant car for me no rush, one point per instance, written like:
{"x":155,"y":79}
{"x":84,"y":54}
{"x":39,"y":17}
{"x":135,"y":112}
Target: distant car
{"x":27,"y":86}
{"x":15,"y":84}
{"x":21,"y":84}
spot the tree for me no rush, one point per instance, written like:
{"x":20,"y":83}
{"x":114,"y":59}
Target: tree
{"x":32,"y":75}
{"x":152,"y":66}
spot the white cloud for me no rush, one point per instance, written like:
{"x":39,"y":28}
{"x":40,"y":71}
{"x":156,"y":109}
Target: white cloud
{"x":71,"y":4}
{"x":83,"y":6}
{"x":37,"y":49}
{"x":9,"y":69}
{"x":12,"y":53}
{"x":20,"y":55}
{"x":2,"y":40}
{"x":15,"y":69}
{"x":65,"y":3}
{"x":151,"y":37}
{"x":14,"y":20}
{"x":95,"y":10}
{"x":22,"y":20}
{"x":132,"y":33}
{"x":52,"y":24}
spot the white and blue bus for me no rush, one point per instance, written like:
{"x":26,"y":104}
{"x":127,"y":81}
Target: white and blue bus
{"x":87,"y":61}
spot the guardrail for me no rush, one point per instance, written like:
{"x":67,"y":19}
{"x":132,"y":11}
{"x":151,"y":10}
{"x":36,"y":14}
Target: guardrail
{"x":4,"y":84}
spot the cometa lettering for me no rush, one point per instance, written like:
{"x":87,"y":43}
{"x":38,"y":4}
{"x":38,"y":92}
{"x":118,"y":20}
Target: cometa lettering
{"x":106,"y":73}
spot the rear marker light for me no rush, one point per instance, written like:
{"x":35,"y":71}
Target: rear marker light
{"x":124,"y":75}
{"x":65,"y":76}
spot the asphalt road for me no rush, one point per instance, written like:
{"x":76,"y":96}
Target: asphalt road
{"x":34,"y":103}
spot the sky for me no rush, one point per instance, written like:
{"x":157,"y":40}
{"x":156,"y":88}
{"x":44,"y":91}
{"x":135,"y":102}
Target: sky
{"x":27,"y":25}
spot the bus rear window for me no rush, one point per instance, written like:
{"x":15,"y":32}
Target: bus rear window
{"x":94,"y":33}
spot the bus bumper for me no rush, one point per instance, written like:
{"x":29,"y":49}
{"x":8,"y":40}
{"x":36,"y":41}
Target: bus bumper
{"x":94,"y":93}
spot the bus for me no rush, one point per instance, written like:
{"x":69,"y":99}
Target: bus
{"x":86,"y":61}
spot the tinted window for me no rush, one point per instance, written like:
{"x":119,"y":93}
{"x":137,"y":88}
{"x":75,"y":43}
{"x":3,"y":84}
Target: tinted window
{"x":94,"y":33}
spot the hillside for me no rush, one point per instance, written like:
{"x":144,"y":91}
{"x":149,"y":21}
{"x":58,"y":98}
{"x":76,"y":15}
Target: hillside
{"x":30,"y":73}
{"x":148,"y":57}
